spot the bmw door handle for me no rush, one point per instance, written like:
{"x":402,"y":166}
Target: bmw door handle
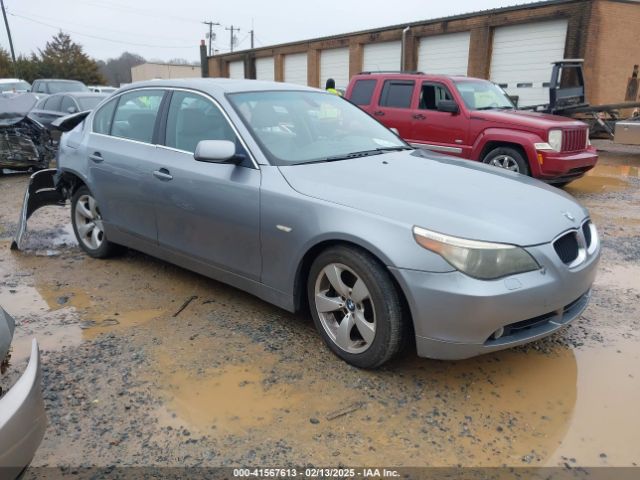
{"x":419,"y":116}
{"x":163,"y":174}
{"x":96,"y":157}
{"x":379,"y":113}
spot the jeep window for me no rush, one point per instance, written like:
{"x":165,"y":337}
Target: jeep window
{"x":483,"y":95}
{"x":136,"y":114}
{"x":363,"y":91}
{"x":431,"y":94}
{"x":397,"y":93}
{"x":104,"y":117}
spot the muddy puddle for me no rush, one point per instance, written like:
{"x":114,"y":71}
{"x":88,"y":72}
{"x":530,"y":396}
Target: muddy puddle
{"x":510,"y":408}
{"x":605,"y":178}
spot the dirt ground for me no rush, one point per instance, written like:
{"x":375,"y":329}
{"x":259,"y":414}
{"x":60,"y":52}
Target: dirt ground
{"x":235,"y":381}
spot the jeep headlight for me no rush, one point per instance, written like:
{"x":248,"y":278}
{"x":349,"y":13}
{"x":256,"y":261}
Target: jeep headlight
{"x":483,"y":260}
{"x":555,"y":140}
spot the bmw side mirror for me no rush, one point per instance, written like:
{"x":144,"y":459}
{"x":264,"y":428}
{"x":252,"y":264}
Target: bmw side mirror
{"x":448,"y":106}
{"x":71,"y":110}
{"x":216,"y":151}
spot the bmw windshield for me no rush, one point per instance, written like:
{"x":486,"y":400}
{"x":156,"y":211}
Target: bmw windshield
{"x":483,"y":95}
{"x":296,"y":127}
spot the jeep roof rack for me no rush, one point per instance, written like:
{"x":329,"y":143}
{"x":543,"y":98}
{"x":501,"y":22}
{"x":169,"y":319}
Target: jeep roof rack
{"x":399,"y":72}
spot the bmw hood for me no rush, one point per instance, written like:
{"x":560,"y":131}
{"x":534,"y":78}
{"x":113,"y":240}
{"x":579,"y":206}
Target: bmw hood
{"x":457,"y":197}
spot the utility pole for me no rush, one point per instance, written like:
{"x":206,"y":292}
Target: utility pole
{"x":211,"y":35}
{"x":251,"y":32}
{"x":232,"y":29}
{"x":13,"y":54}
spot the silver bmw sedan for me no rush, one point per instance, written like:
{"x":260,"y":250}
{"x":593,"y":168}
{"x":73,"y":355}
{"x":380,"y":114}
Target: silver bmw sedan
{"x":302,"y":199}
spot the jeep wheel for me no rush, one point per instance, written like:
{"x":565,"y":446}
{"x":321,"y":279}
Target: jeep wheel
{"x":507,"y":158}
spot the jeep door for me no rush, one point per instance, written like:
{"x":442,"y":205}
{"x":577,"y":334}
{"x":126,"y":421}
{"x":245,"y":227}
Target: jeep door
{"x":438,"y":130}
{"x":394,"y":105}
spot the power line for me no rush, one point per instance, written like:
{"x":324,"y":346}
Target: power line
{"x":97,"y":37}
{"x":144,"y":13}
{"x":57,"y":20}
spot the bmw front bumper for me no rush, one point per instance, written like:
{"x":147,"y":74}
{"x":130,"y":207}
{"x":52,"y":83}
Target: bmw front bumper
{"x":456,"y":316}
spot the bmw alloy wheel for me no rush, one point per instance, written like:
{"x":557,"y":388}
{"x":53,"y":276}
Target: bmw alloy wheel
{"x":345,"y":308}
{"x":89,"y":222}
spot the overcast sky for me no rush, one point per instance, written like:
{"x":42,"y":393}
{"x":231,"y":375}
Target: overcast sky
{"x":160,"y":29}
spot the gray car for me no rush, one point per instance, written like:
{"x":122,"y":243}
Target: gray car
{"x":59,"y":105}
{"x":300,"y":198}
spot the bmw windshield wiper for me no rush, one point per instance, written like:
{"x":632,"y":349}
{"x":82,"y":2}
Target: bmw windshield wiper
{"x":363,"y":153}
{"x":394,"y":149}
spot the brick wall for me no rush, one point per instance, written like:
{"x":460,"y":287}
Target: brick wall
{"x":606,"y":33}
{"x":613,"y":48}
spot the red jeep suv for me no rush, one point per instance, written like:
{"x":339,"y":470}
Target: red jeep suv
{"x":475,"y":119}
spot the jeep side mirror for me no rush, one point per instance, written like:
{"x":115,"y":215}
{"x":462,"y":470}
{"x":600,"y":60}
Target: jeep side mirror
{"x":448,"y":106}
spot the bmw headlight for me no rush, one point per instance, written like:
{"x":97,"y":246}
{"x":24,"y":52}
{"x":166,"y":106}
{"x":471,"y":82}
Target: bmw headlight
{"x":555,"y":139}
{"x":483,"y":260}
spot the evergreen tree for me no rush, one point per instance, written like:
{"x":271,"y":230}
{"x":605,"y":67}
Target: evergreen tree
{"x":6,"y":67}
{"x":63,"y":58}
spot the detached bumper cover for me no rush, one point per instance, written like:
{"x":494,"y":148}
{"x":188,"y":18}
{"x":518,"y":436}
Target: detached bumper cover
{"x":41,"y":191}
{"x":22,"y":419}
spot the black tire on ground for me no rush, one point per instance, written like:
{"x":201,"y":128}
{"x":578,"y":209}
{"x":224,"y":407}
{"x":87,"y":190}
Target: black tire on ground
{"x":391,"y":328}
{"x":106,"y":248}
{"x":561,"y":184}
{"x":501,"y":153}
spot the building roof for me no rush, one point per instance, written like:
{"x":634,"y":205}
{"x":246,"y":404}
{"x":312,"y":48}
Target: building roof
{"x":167,"y":64}
{"x":218,"y":85}
{"x":491,"y":11}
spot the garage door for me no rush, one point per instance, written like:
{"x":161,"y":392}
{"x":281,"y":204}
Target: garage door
{"x":334,"y":64}
{"x":522,"y":56}
{"x":444,"y":54}
{"x":236,"y":69}
{"x":295,"y":68}
{"x":382,"y":56}
{"x":265,"y":69}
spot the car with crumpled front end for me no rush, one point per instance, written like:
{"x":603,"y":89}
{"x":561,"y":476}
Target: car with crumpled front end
{"x":304,"y":200}
{"x":25,"y":144}
{"x":22,"y":415}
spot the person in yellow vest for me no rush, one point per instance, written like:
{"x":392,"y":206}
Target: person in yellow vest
{"x":330,"y":87}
